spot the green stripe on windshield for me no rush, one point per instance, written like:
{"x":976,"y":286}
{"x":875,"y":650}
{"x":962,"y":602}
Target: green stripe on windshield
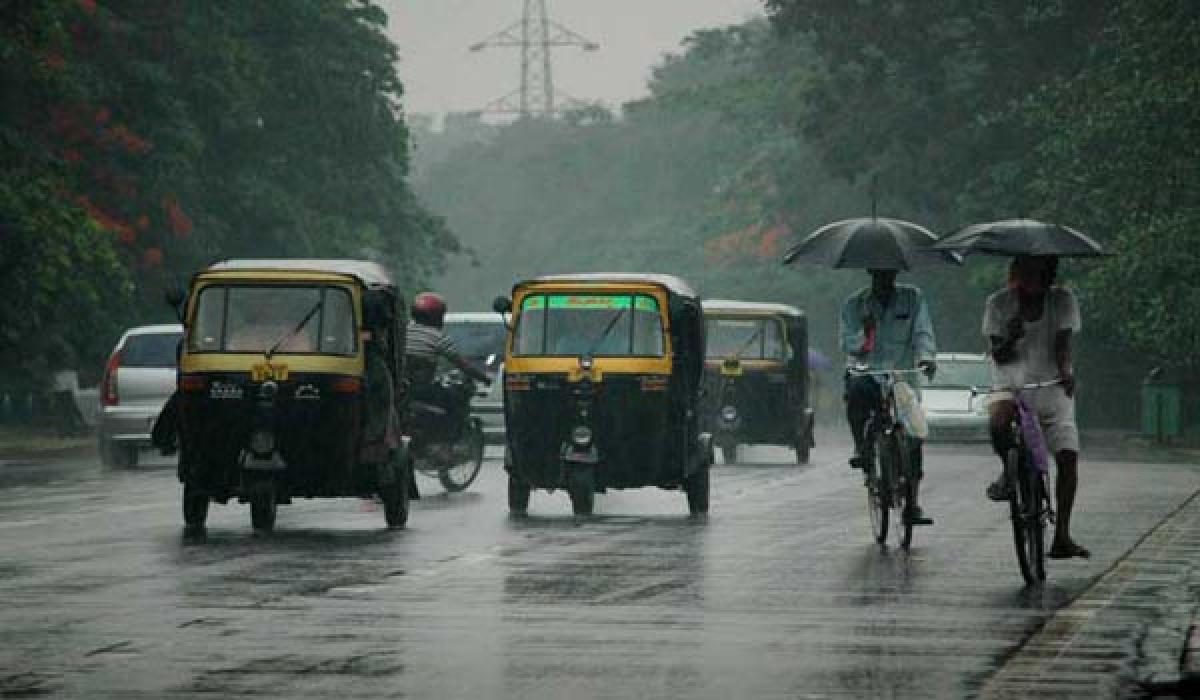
{"x":589,"y":301}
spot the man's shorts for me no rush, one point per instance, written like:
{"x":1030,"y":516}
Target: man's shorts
{"x":1056,"y":413}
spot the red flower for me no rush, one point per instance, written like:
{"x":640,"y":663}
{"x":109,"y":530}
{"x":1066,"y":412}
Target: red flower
{"x":143,"y":222}
{"x":72,"y":156}
{"x":56,"y":61}
{"x":102,"y":115}
{"x":153,"y":257}
{"x":89,"y":6}
{"x":179,"y":221}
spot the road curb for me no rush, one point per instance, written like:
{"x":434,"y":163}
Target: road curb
{"x":1126,"y":632}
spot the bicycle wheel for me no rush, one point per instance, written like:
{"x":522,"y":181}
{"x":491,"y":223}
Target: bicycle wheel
{"x":1024,"y":509}
{"x":1036,"y":537}
{"x":878,"y":488}
{"x":902,"y":485}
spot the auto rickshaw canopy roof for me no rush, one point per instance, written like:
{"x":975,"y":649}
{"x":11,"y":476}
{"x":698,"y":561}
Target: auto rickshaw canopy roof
{"x":672,"y":284}
{"x":751,"y":307}
{"x":372,"y":275}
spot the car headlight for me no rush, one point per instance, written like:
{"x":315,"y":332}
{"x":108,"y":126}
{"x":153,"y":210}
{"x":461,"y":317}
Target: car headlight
{"x":582,"y":436}
{"x":729,"y":414}
{"x":262,"y":442}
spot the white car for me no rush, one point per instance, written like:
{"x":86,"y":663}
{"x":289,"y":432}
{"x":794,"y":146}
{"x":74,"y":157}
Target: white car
{"x":954,"y":412}
{"x":138,"y":380}
{"x":480,"y":336}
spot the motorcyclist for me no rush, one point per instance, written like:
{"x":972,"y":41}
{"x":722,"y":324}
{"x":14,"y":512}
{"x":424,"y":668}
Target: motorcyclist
{"x":426,"y":346}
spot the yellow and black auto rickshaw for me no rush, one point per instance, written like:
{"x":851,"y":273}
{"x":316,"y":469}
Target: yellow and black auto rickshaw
{"x":290,"y":386}
{"x":601,"y":388}
{"x":756,"y":379}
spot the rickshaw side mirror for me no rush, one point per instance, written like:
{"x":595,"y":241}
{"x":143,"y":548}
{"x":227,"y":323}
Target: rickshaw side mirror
{"x":502,"y":305}
{"x":175,"y":299}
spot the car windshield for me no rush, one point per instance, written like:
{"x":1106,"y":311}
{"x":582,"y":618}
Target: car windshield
{"x":611,"y":325}
{"x":150,"y":350}
{"x":747,"y":338}
{"x":961,"y":373}
{"x":476,"y":340}
{"x":254,"y":319}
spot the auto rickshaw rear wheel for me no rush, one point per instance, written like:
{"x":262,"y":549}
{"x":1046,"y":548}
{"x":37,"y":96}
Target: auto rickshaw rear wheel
{"x":729,"y":452}
{"x":802,"y":452}
{"x":696,"y":488}
{"x":195,"y":507}
{"x":518,"y":496}
{"x":262,"y":504}
{"x":395,"y":494}
{"x":581,"y":487}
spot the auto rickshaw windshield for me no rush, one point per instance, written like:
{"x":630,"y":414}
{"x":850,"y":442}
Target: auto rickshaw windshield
{"x":287,"y":319}
{"x":747,"y":339}
{"x":610,"y":325}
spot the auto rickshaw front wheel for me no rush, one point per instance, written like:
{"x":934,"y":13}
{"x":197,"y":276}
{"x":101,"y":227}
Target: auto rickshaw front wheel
{"x":802,"y":452}
{"x":395,"y":494}
{"x":195,"y":507}
{"x":581,"y":487}
{"x":263,"y":504}
{"x":518,"y":496}
{"x":696,"y":488}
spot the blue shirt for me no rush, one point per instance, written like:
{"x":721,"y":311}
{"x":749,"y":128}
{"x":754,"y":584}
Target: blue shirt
{"x":903,"y":330}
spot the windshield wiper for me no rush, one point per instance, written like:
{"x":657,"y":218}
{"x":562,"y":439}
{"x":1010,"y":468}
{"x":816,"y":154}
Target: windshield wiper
{"x":299,"y":327}
{"x":751,"y":339}
{"x":607,"y":329}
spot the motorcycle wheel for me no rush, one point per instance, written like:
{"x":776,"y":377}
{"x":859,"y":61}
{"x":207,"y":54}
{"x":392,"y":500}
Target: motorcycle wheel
{"x":459,"y":476}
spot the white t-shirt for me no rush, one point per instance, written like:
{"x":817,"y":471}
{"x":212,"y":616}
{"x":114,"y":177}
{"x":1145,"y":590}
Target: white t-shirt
{"x":1034,"y":360}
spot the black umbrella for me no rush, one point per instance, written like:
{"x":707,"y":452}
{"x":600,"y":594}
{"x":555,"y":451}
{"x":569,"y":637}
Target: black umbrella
{"x":1013,"y":237}
{"x":869,"y":244}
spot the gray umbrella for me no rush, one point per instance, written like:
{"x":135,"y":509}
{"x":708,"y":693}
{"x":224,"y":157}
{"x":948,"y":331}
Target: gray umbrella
{"x":1013,"y":237}
{"x":869,"y":244}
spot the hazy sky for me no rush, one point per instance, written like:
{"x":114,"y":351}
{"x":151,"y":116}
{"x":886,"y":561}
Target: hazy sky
{"x":441,"y":75}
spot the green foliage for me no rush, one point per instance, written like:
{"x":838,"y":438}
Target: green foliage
{"x":192,"y":131}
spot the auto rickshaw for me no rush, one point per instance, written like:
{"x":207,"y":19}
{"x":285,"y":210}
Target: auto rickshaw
{"x":756,"y":379}
{"x":601,"y":388}
{"x":290,"y":385}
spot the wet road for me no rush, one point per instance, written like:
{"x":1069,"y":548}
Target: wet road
{"x":778,"y":593}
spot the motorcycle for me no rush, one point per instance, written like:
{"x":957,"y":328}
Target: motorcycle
{"x":451,"y":453}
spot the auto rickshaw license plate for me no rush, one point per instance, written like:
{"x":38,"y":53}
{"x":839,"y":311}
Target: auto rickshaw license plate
{"x":263,"y":372}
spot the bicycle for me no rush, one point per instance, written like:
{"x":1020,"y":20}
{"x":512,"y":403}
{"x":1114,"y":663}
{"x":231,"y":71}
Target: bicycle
{"x":888,"y":462}
{"x":1026,"y":464}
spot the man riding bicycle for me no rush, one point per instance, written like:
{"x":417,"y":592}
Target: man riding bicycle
{"x":1030,"y":325}
{"x":425,"y":347}
{"x":885,"y":326}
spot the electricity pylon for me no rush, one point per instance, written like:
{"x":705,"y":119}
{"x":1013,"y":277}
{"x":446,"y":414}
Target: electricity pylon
{"x":536,"y":35}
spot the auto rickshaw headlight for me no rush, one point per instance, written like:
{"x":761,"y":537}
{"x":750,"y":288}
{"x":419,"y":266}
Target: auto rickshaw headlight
{"x":581,"y":436}
{"x":262,"y":443}
{"x":729,"y":414}
{"x":268,"y":390}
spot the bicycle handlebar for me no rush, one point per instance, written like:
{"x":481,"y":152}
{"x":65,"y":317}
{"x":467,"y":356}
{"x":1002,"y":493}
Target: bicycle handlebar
{"x":1024,"y":387}
{"x":863,"y":370}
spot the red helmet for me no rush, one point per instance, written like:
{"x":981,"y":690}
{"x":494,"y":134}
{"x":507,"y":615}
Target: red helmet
{"x":428,"y":309}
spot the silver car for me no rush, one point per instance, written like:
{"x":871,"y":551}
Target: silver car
{"x":138,"y":380}
{"x":954,"y":412}
{"x":480,"y":337}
